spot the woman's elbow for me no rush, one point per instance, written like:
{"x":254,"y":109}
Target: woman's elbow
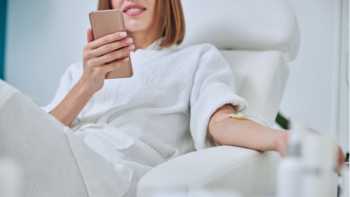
{"x":218,"y":132}
{"x":220,"y":123}
{"x":215,"y":138}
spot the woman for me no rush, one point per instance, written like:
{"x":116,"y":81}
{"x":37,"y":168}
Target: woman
{"x":179,"y":99}
{"x":167,"y":83}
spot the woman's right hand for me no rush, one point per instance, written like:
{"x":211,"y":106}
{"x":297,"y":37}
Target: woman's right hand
{"x":99,"y":53}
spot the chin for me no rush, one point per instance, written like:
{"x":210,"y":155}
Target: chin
{"x":137,"y":17}
{"x":135,"y":26}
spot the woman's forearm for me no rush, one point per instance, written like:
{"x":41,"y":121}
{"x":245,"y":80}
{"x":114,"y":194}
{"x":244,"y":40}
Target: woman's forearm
{"x":249,"y":134}
{"x":72,"y":104}
{"x":243,"y":133}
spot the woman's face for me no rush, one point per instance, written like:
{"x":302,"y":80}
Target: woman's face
{"x":138,"y":14}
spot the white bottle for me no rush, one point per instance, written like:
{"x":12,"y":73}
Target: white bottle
{"x":346,"y":183}
{"x":291,"y":168}
{"x":320,"y":155}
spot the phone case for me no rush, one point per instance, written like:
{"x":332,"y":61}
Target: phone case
{"x":107,"y":22}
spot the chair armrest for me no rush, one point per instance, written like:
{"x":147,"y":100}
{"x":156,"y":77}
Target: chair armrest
{"x":219,"y":169}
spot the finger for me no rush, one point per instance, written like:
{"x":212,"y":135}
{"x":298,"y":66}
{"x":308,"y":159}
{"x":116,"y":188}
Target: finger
{"x":118,"y":63}
{"x":107,"y":39}
{"x":340,"y":160}
{"x":105,"y":49}
{"x":115,"y":65}
{"x":113,"y":56}
{"x":90,"y":35}
{"x":104,"y":70}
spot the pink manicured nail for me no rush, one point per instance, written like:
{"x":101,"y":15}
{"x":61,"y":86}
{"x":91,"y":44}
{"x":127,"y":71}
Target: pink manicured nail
{"x":122,"y":34}
{"x":132,"y":47}
{"x":129,"y":41}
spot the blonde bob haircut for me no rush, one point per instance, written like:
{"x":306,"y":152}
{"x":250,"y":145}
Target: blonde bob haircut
{"x":170,"y":17}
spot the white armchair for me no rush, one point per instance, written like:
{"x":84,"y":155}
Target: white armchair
{"x":259,"y":38}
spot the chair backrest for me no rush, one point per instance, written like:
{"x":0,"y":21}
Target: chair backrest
{"x":258,"y":37}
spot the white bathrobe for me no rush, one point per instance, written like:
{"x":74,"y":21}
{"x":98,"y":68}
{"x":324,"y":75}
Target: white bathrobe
{"x":161,"y":112}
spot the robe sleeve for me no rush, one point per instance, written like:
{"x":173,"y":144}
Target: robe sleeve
{"x":65,"y":85}
{"x":213,"y":87}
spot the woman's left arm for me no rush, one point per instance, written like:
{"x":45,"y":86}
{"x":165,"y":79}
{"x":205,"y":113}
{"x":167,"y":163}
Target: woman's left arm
{"x":225,"y":130}
{"x":245,"y":133}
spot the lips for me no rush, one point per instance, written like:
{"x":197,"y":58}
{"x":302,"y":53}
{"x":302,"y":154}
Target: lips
{"x":134,"y":10}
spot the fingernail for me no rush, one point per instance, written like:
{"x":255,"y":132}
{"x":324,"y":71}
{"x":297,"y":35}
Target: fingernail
{"x":122,"y":34}
{"x":127,"y":59}
{"x":132,"y":47}
{"x":129,"y":41}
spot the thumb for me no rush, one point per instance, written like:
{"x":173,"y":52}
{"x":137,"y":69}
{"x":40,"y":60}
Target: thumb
{"x":90,"y":35}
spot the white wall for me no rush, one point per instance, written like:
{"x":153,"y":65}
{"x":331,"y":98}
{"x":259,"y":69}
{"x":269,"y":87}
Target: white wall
{"x":44,"y":37}
{"x":312,"y":88}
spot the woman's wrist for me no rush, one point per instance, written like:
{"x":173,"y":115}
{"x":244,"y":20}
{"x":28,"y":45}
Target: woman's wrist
{"x":281,"y":142}
{"x":72,"y":104}
{"x":84,"y":89}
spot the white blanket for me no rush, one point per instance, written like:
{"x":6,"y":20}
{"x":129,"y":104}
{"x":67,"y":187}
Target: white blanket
{"x":53,"y":160}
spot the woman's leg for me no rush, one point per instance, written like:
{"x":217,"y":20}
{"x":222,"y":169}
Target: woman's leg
{"x":55,"y":162}
{"x":38,"y":143}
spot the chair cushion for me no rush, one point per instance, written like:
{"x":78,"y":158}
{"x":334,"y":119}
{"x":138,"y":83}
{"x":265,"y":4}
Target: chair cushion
{"x":243,"y":25}
{"x":261,"y":78}
{"x":224,"y":170}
